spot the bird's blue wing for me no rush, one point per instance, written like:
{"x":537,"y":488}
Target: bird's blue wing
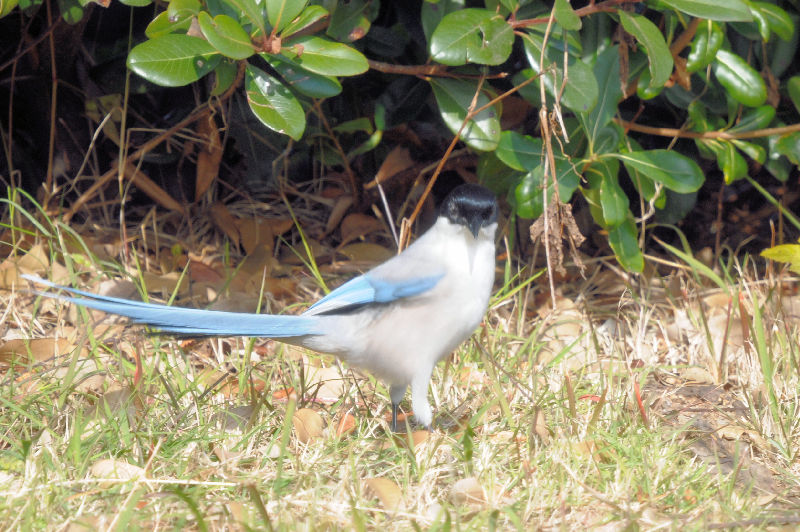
{"x":368,"y":288}
{"x":189,"y":320}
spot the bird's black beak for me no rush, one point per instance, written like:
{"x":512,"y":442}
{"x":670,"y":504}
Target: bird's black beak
{"x":475,"y":226}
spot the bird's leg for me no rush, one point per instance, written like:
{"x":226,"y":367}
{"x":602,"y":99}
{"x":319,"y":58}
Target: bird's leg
{"x":396,"y":392}
{"x":419,"y":397}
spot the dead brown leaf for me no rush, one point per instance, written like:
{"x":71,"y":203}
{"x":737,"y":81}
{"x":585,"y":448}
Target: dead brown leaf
{"x":345,"y":425}
{"x":398,"y":160}
{"x":356,"y":225}
{"x":308,"y":425}
{"x":326,"y":384}
{"x":387,"y":491}
{"x":255,"y":233}
{"x":337,"y":213}
{"x":209,"y":156}
{"x":366,"y":252}
{"x":149,"y":187}
{"x":115,"y":469}
{"x":540,"y":426}
{"x":166,"y":284}
{"x":36,"y":350}
{"x":225,"y":222}
{"x":468,"y":491}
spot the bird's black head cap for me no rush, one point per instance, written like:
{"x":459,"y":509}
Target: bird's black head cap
{"x":472,"y":206}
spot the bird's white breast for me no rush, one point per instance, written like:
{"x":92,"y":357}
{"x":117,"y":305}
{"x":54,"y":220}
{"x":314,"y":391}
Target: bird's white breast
{"x":413,"y":333}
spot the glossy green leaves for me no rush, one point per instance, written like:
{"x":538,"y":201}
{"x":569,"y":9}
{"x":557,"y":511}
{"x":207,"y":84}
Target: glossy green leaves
{"x":707,"y":42}
{"x":237,"y":30}
{"x":273,"y":103}
{"x":673,"y":170}
{"x":723,"y":10}
{"x":472,"y":36}
{"x":281,"y":12}
{"x":650,"y":38}
{"x":742,"y":82}
{"x":454,"y":96}
{"x":326,"y":57}
{"x":580,"y":91}
{"x":226,"y":35}
{"x":173,"y":60}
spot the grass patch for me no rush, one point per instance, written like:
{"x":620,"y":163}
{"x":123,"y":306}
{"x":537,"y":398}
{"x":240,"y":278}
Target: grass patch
{"x":540,"y":416}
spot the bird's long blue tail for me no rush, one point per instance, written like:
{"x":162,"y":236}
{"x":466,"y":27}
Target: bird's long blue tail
{"x":189,"y":321}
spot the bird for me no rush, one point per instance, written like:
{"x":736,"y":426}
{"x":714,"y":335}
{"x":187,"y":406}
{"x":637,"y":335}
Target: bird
{"x":397,"y":320}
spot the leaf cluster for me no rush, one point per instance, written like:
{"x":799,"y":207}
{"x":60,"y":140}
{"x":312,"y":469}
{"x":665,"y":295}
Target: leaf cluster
{"x":722,"y":74}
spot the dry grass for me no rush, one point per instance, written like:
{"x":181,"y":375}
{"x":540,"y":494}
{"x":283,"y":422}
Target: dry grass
{"x":540,"y":415}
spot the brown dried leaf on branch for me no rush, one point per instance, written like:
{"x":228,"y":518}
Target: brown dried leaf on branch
{"x":559,"y":216}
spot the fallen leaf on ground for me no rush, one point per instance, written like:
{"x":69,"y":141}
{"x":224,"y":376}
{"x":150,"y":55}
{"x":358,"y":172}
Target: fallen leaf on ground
{"x":697,"y":375}
{"x":115,"y":469}
{"x":366,"y":252}
{"x":540,"y":426}
{"x":225,"y":222}
{"x":326,"y":385}
{"x":36,"y":350}
{"x":387,"y":491}
{"x":357,"y":225}
{"x":308,"y":425}
{"x":468,"y":491}
{"x":346,"y":425}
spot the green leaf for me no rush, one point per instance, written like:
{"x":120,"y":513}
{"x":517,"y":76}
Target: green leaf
{"x":302,"y":80}
{"x":742,"y":82}
{"x":731,"y":162}
{"x":782,"y":55}
{"x":566,"y":16}
{"x":274,"y":104}
{"x":136,"y":3}
{"x":727,"y":10}
{"x":163,"y":25}
{"x":281,"y":12}
{"x":789,"y":145}
{"x":608,"y":138}
{"x":778,"y":19}
{"x":707,"y":41}
{"x":528,"y":195}
{"x":225,"y":75}
{"x":251,"y":10}
{"x":623,"y":239}
{"x":351,"y":20}
{"x":432,"y":14}
{"x":6,"y":6}
{"x":226,"y":35}
{"x":180,"y":9}
{"x":173,"y":60}
{"x":580,"y":93}
{"x":520,"y":152}
{"x":754,"y":151}
{"x":761,"y":23}
{"x":756,"y":118}
{"x":472,"y":36}
{"x":653,"y":42}
{"x":606,"y":72}
{"x":784,"y":253}
{"x":309,"y":16}
{"x":528,"y":200}
{"x":454,"y":97}
{"x":323,"y":56}
{"x":793,"y":88}
{"x":613,"y":200}
{"x":673,"y":170}
{"x":71,"y":11}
